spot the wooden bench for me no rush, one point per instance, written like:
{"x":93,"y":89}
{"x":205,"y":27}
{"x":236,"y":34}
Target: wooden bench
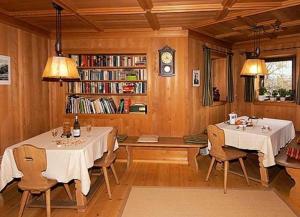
{"x":292,"y":167}
{"x":164,"y":142}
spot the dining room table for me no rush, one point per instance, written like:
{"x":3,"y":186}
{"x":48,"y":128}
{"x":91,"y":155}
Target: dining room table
{"x":67,"y":159}
{"x":264,"y":135}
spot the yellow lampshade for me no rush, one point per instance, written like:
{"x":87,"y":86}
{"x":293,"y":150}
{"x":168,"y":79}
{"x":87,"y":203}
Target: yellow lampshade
{"x":253,"y":67}
{"x":61,"y":68}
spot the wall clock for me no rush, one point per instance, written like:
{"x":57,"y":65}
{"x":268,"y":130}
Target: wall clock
{"x":166,"y":61}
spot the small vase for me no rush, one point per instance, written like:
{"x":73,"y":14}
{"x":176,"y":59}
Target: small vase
{"x":282,"y":99}
{"x":261,"y":97}
{"x":272,"y":99}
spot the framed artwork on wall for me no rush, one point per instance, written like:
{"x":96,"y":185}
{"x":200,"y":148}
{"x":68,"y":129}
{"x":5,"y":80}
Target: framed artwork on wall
{"x":196,"y":78}
{"x":5,"y":72}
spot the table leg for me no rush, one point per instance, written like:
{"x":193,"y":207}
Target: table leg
{"x":264,"y":176}
{"x":295,"y":190}
{"x":192,"y":158}
{"x":80,"y":197}
{"x":129,"y":156}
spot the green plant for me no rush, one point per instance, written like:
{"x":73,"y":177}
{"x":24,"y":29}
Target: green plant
{"x":262,"y":91}
{"x":274,"y":93}
{"x":291,"y":95}
{"x":282,"y":92}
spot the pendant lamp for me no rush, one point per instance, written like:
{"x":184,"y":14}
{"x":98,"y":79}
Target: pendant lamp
{"x":60,"y":68}
{"x":254,"y":65}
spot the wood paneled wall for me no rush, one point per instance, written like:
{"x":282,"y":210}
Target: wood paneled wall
{"x":24,"y":105}
{"x":270,"y":48}
{"x":165,"y":96}
{"x":199,"y":116}
{"x":174,"y":106}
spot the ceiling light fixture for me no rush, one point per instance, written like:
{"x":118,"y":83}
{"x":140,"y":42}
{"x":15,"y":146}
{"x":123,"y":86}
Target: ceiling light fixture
{"x":254,"y":65}
{"x":60,"y":68}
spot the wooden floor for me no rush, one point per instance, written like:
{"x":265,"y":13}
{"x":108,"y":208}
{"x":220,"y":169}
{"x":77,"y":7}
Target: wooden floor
{"x":143,"y":174}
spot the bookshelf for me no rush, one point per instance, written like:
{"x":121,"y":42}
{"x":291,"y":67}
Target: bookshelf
{"x":109,"y":83}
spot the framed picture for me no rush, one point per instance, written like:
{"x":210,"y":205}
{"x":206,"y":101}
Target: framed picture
{"x":5,"y":73}
{"x":196,"y":78}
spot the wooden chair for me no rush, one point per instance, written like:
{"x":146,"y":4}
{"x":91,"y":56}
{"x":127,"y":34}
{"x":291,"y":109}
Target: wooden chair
{"x":108,"y":159}
{"x":224,"y":154}
{"x":31,"y":161}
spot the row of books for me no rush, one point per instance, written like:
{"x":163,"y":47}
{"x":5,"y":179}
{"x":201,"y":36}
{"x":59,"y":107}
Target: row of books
{"x":109,"y":60}
{"x":81,"y":105}
{"x":96,"y":74}
{"x":107,"y":87}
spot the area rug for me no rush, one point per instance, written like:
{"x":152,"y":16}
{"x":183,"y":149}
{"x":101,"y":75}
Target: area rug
{"x":203,"y":202}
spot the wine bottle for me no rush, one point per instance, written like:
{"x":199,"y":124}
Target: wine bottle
{"x":76,"y":127}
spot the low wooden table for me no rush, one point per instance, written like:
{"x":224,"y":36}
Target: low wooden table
{"x":292,"y":167}
{"x":164,"y":142}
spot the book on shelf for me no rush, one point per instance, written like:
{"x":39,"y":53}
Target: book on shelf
{"x":94,"y":87}
{"x":86,"y":60}
{"x":82,"y":105}
{"x":138,"y":108}
{"x":127,"y":103}
{"x":111,"y":75}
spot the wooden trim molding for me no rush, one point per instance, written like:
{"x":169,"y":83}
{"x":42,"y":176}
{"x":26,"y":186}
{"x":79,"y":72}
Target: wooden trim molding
{"x":11,"y":21}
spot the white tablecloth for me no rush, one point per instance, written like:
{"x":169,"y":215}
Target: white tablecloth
{"x":268,"y":142}
{"x":65,"y":162}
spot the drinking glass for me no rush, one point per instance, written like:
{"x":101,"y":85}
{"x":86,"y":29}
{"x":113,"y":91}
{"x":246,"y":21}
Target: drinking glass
{"x":67,"y":129}
{"x":54,"y":133}
{"x":89,"y":129}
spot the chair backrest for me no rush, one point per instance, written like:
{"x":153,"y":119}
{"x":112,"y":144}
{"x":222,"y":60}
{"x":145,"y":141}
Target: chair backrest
{"x":111,"y":141}
{"x":31,"y":161}
{"x":216,"y":137}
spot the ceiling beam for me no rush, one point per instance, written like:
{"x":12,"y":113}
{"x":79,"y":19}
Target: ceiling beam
{"x":209,"y":39}
{"x":285,"y":4}
{"x":184,"y":7}
{"x":11,"y":21}
{"x":229,"y":34}
{"x":152,"y":20}
{"x":41,"y":13}
{"x":147,"y":6}
{"x":111,"y":11}
{"x":65,"y":4}
{"x":227,"y":4}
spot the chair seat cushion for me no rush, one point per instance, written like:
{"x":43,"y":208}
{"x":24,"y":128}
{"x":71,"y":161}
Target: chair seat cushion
{"x":196,"y":139}
{"x":37,"y":188}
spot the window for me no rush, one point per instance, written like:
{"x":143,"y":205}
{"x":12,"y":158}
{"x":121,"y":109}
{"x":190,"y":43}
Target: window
{"x":281,"y":74}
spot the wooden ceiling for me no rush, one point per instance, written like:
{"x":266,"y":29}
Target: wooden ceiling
{"x":226,"y":20}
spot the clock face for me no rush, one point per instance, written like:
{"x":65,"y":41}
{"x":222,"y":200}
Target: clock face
{"x":167,"y":69}
{"x":166,"y":57}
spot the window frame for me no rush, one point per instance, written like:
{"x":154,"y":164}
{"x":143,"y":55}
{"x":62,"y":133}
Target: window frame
{"x":278,"y":59}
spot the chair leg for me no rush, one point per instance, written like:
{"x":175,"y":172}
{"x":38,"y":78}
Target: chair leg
{"x":48,"y":203}
{"x":244,"y":169}
{"x":226,"y":166}
{"x":210,"y":168}
{"x":67,"y":188}
{"x":115,"y":174}
{"x":23,"y":202}
{"x":28,"y":198}
{"x":106,"y":181}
